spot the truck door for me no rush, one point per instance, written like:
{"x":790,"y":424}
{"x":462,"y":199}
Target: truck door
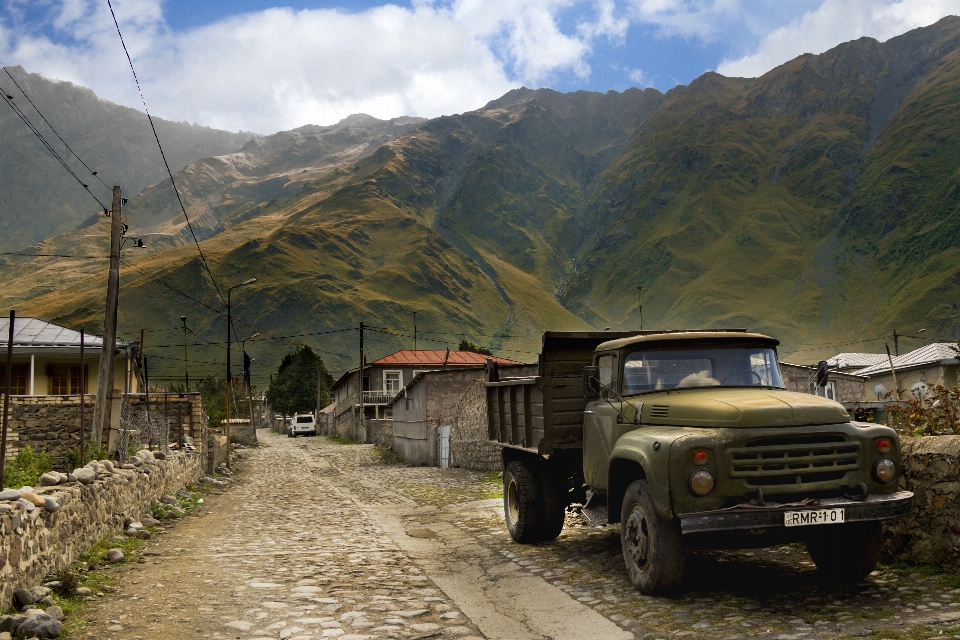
{"x":599,"y":425}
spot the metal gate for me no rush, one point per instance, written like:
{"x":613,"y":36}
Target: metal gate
{"x":443,"y":446}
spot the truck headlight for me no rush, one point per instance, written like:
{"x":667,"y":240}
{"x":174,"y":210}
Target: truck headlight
{"x":885,"y":469}
{"x":701,"y":482}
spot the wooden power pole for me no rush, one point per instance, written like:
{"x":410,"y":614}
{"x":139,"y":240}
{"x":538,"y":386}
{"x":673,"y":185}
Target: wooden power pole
{"x":103,"y":406}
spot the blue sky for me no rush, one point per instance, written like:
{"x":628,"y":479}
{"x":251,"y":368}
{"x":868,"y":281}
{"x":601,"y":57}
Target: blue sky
{"x":267,"y":66}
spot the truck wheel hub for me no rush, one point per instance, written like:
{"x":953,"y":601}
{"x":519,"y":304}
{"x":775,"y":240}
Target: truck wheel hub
{"x":637,"y":537}
{"x":512,"y":506}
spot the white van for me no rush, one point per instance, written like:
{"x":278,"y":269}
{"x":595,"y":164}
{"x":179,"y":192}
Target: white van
{"x":303,"y":424}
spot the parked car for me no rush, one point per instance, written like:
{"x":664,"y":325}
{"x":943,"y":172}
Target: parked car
{"x":303,"y":424}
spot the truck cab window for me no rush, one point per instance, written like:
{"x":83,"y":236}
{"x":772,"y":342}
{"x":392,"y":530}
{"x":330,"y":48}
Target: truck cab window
{"x":608,"y":372}
{"x":707,"y":366}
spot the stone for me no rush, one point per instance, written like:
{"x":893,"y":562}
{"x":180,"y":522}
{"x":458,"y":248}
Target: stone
{"x":86,"y":476}
{"x":131,"y":532}
{"x":142,"y":534}
{"x":68,"y":477}
{"x":159,"y":455}
{"x":27,"y":505}
{"x":5,"y":635}
{"x":39,"y":593}
{"x":115,"y":555}
{"x":50,"y":504}
{"x":149,"y":522}
{"x":425,"y":627}
{"x":82,"y":591}
{"x":409,"y":613}
{"x":42,"y":626}
{"x":32,"y":497}
{"x":127,"y":466}
{"x":55,"y":612}
{"x":108,"y":465}
{"x":23,"y":597}
{"x":49,"y":479}
{"x":170,"y":500}
{"x":10,"y":495}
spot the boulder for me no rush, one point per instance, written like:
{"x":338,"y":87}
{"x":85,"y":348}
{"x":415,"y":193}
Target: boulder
{"x":22,"y":597}
{"x":50,"y":504}
{"x":55,"y":612}
{"x":82,"y":591}
{"x":49,"y":479}
{"x":34,"y":498}
{"x":115,"y":555}
{"x":10,"y":495}
{"x":108,"y":465}
{"x":86,"y":475}
{"x":39,"y":593}
{"x":67,"y":477}
{"x":42,"y":626}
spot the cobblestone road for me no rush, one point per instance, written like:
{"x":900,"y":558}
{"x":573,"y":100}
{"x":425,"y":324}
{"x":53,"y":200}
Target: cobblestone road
{"x":324,"y":540}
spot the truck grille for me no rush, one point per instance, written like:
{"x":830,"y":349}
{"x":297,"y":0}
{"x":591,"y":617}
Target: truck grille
{"x":659,"y":410}
{"x":794,"y":460}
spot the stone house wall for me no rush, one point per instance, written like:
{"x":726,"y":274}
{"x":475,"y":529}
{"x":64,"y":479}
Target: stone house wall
{"x":849,"y":388}
{"x":32,"y":545}
{"x":48,"y":424}
{"x":468,"y":440}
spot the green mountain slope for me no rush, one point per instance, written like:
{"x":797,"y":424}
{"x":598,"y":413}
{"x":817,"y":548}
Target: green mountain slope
{"x":39,"y":199}
{"x":817,"y":203}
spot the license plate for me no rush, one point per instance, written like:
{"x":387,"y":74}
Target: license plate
{"x":812,"y":516}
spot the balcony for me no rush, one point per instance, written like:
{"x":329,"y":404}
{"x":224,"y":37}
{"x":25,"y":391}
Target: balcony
{"x":378,"y":397}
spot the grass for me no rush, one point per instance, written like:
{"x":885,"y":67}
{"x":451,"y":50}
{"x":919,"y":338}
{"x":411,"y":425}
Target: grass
{"x":493,"y":483}
{"x":340,"y":440}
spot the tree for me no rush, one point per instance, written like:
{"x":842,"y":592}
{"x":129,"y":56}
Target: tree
{"x":466,"y":345}
{"x":294,"y":387}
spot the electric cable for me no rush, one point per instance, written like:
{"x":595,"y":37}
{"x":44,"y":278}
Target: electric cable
{"x":49,"y":255}
{"x":164,"y":156}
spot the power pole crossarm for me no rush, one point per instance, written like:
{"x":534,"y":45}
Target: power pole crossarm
{"x":101,"y":410}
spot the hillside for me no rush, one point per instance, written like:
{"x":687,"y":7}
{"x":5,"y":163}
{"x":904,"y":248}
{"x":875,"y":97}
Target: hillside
{"x":816,"y":203}
{"x":116,"y":142}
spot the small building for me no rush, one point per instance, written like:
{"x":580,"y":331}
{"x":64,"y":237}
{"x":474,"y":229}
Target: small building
{"x":933,"y":364}
{"x":850,"y":362}
{"x":841,"y":387}
{"x":46,"y":360}
{"x":428,"y":405}
{"x":382,"y":380}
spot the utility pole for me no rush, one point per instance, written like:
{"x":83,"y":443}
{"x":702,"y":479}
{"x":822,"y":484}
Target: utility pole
{"x":360,"y":381}
{"x":103,"y":405}
{"x":319,"y":383}
{"x":83,"y":390}
{"x":186,"y":368}
{"x":896,"y":383}
{"x":415,"y":330}
{"x":640,"y":303}
{"x":896,"y":340}
{"x":6,"y":397}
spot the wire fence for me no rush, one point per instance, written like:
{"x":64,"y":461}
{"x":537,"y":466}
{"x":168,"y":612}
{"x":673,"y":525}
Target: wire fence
{"x":139,"y":429}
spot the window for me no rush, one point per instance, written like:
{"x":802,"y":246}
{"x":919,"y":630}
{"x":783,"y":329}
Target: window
{"x":700,"y":366}
{"x":391,"y":382}
{"x":828,"y":391}
{"x":608,"y":372}
{"x":64,"y":379}
{"x":18,"y":379}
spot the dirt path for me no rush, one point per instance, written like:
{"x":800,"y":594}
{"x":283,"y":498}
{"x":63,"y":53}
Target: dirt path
{"x":323,"y":540}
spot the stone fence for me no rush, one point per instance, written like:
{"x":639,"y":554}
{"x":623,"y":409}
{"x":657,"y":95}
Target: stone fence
{"x":931,"y":533}
{"x":468,"y":439}
{"x":48,"y":424}
{"x":32,"y":545}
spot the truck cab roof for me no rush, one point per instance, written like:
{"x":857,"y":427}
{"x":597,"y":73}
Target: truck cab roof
{"x":676,"y":338}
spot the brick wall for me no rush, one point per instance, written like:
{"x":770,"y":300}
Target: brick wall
{"x":468,"y":441}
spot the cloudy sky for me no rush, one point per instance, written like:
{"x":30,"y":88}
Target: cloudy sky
{"x":264,"y":65}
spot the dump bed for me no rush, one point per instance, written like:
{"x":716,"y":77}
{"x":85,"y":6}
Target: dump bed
{"x":545,"y":412}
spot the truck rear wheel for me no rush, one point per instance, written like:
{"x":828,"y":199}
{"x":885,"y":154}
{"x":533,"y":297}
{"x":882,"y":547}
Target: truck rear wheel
{"x":522,"y":500}
{"x":847,"y":554}
{"x":652,"y":547}
{"x":554,"y":508}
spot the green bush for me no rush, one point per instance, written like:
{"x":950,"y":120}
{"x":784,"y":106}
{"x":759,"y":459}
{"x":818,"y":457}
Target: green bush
{"x":92,"y":452}
{"x":26,"y":468}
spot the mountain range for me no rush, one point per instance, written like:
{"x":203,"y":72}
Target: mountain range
{"x":817,"y":203}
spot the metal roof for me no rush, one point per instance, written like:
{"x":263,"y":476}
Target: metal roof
{"x":935,"y":353}
{"x":437,"y":358}
{"x":33,"y":332}
{"x":856,"y":360}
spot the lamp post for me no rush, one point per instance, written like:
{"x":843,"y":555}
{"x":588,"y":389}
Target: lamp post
{"x":246,"y":373}
{"x":186,"y":369}
{"x":229,"y":373}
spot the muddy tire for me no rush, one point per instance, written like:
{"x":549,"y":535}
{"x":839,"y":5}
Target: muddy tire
{"x":554,"y":508}
{"x":847,"y":552}
{"x":522,"y":502}
{"x":652,"y":547}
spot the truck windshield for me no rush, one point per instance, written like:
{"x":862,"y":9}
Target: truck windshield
{"x":708,"y":366}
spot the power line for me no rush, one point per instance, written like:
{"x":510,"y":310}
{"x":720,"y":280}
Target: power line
{"x":164,"y":156}
{"x":36,"y":132}
{"x":92,"y":172}
{"x":50,"y":255}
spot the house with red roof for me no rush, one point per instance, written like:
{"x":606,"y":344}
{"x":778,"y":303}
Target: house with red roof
{"x":382,"y":380}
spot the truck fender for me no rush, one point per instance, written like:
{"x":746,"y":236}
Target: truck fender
{"x":641,"y":454}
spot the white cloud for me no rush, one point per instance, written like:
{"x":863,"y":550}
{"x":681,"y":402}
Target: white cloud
{"x":834,"y":22}
{"x":281,"y":68}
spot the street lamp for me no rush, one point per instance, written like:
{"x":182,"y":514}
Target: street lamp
{"x":229,"y":372}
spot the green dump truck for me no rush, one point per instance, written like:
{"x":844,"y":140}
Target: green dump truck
{"x":689,"y":440}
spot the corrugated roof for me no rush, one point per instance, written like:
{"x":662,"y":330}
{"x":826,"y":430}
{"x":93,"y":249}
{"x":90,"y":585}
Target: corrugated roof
{"x":33,"y":332}
{"x":930,"y":354}
{"x":856,"y":360}
{"x":436,"y":358}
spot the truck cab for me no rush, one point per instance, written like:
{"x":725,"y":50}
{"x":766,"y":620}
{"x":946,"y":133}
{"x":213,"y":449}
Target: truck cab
{"x":690,"y":440}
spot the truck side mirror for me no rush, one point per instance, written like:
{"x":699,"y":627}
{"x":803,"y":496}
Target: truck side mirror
{"x":591,"y":383}
{"x":823,"y":372}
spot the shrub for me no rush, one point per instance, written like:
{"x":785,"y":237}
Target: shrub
{"x":26,"y":468}
{"x":936,"y":414}
{"x":91,"y":452}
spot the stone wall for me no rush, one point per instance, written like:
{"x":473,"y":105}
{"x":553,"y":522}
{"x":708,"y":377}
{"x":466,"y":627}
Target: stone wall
{"x":216,"y":451}
{"x":32,"y":545}
{"x":48,"y":424}
{"x":799,"y":378}
{"x":931,"y":533}
{"x":468,"y":441}
{"x":180,"y":409}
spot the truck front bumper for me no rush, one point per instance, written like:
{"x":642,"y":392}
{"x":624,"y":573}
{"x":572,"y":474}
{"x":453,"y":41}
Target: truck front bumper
{"x":771,"y":516}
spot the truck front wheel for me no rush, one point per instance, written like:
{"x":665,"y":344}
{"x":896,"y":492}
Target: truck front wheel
{"x":522,"y":500}
{"x":847,"y":552}
{"x":652,"y":546}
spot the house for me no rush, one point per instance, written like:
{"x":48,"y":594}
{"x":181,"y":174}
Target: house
{"x":850,"y":362}
{"x":426,"y":407}
{"x":46,"y":360}
{"x":840,"y":386}
{"x":382,"y":380}
{"x":934,"y":364}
